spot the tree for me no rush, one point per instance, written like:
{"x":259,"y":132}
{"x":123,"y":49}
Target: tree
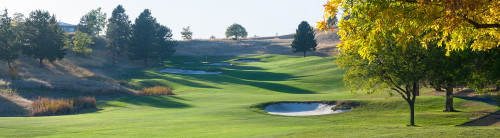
{"x":457,"y":25}
{"x":236,"y":31}
{"x":142,"y":40}
{"x":393,"y":67}
{"x":304,"y":39}
{"x":18,"y":19}
{"x":164,"y":43}
{"x":448,"y":71}
{"x":118,"y":33}
{"x":43,"y":38}
{"x":186,"y":33}
{"x":81,"y":42}
{"x":93,"y":22}
{"x":10,"y":45}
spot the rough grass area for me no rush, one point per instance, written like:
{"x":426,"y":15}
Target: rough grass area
{"x":47,"y":106}
{"x":157,"y":90}
{"x":327,"y":46}
{"x":221,"y":106}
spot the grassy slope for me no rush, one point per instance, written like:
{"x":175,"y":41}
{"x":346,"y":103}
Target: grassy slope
{"x":219,"y":105}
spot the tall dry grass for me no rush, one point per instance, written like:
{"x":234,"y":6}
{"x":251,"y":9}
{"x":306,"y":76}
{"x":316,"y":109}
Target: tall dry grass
{"x":44,"y":106}
{"x":157,"y":90}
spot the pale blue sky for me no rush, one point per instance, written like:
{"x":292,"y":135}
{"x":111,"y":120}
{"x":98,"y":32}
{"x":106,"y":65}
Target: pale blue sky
{"x":206,"y":17}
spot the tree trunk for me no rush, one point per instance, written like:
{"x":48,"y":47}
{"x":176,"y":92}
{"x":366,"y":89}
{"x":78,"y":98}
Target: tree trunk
{"x":41,"y":63}
{"x":304,"y":53}
{"x":412,"y":103}
{"x":438,"y":89}
{"x":412,"y":113}
{"x":8,"y":63}
{"x":449,"y":99}
{"x":113,"y":57}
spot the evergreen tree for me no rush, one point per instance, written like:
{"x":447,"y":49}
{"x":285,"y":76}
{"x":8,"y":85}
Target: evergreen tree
{"x":186,"y":33}
{"x":9,"y":42}
{"x":304,"y":39}
{"x":143,"y":38}
{"x":236,"y":31}
{"x":118,"y":33}
{"x":43,"y":38}
{"x":164,"y":43}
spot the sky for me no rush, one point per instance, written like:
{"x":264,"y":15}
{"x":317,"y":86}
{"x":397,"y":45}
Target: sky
{"x":205,"y":17}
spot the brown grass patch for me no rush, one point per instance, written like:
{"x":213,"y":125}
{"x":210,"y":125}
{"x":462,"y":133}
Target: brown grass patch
{"x":157,"y":90}
{"x":47,"y":106}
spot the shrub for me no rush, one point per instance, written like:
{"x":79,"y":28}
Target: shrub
{"x":47,"y":106}
{"x":157,"y":90}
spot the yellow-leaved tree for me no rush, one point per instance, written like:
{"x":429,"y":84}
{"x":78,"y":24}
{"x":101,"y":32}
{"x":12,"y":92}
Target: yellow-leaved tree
{"x":456,"y":24}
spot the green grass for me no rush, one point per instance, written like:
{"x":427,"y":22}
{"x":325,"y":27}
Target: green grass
{"x":221,"y":106}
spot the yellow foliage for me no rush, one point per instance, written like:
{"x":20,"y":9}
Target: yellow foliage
{"x":457,"y":25}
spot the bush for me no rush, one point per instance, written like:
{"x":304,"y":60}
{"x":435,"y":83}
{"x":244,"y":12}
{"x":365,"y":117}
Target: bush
{"x":47,"y":106}
{"x":157,"y":90}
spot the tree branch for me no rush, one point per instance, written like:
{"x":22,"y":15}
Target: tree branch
{"x":479,"y":26}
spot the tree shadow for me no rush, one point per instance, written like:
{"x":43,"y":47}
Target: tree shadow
{"x":10,"y":109}
{"x":160,"y":75}
{"x":157,"y":101}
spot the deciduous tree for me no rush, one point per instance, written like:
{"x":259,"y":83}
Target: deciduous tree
{"x":304,"y":39}
{"x":236,"y":30}
{"x":81,"y":42}
{"x":456,"y":24}
{"x":93,"y":22}
{"x":43,"y":38}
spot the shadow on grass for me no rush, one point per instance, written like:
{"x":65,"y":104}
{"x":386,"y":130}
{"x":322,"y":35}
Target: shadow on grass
{"x":157,"y":101}
{"x":11,"y":109}
{"x":150,"y":82}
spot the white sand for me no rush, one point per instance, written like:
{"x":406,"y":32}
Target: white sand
{"x":184,"y":71}
{"x":301,"y":109}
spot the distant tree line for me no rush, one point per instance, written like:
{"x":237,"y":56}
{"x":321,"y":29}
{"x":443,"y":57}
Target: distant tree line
{"x":41,"y":37}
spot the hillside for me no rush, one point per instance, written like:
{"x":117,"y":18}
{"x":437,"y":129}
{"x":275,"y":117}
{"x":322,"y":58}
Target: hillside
{"x":260,"y":45}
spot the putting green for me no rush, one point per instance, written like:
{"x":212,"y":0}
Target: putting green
{"x":221,"y":106}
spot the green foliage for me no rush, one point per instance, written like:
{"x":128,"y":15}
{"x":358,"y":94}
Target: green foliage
{"x":398,"y":67}
{"x":43,"y":38}
{"x":164,"y":44}
{"x":304,"y":39}
{"x":186,"y":33}
{"x":236,"y":30}
{"x":485,"y":70}
{"x":10,"y":45}
{"x":81,"y":42}
{"x":118,"y":33}
{"x":93,"y":22}
{"x":150,"y":40}
{"x":142,"y":38}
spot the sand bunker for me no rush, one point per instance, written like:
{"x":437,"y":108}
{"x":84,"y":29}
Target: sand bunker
{"x":187,"y":71}
{"x":219,"y":64}
{"x":301,"y":109}
{"x":248,"y":60}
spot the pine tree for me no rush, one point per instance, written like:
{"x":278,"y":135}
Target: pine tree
{"x":118,"y":33}
{"x":43,"y":38}
{"x":9,"y":42}
{"x":186,"y":33}
{"x":164,"y":43}
{"x":142,"y":40}
{"x":304,"y":39}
